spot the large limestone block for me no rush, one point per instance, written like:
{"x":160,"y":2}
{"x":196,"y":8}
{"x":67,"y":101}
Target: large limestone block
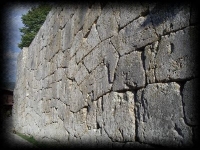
{"x":80,"y":15}
{"x":75,"y":123}
{"x":66,"y":13}
{"x":81,"y":74}
{"x":130,"y":11}
{"x":101,"y":83}
{"x":76,"y":100}
{"x":191,"y":101}
{"x":150,"y":61}
{"x":88,"y":44}
{"x":67,"y":34}
{"x":76,"y":43}
{"x":129,"y":72}
{"x":135,"y":35}
{"x":177,"y":55}
{"x":72,"y":68}
{"x":159,"y":113}
{"x":90,"y":19}
{"x":106,"y":53}
{"x":167,"y":17}
{"x":107,"y":25}
{"x":118,"y":116}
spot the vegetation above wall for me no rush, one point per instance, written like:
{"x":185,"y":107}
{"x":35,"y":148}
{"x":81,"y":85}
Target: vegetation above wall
{"x":32,"y":21}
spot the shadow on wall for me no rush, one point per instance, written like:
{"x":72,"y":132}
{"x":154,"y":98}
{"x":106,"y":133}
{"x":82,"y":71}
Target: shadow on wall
{"x":166,"y":11}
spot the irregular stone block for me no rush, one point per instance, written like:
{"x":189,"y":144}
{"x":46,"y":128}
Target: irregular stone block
{"x":135,"y":35}
{"x":106,"y":53}
{"x":66,"y":13}
{"x":76,"y":43}
{"x":191,"y":102}
{"x":118,"y":116}
{"x":72,"y":68}
{"x":80,"y":15}
{"x":92,"y":16}
{"x":175,"y":61}
{"x":107,"y":24}
{"x":68,"y":34}
{"x":167,"y":17}
{"x":81,"y":74}
{"x":129,"y":72}
{"x":76,"y":100}
{"x":101,"y":84}
{"x":150,"y":63}
{"x":159,"y":114}
{"x":131,"y":11}
{"x":88,"y":44}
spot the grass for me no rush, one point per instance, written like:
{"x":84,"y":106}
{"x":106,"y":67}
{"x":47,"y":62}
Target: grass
{"x":35,"y":142}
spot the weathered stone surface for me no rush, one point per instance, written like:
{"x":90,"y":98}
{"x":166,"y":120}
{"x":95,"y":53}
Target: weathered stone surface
{"x":129,"y":72}
{"x":92,"y":16}
{"x":174,"y":60}
{"x":80,"y":15}
{"x":168,"y":17}
{"x":191,"y":101}
{"x":106,"y":53}
{"x":118,"y":116}
{"x":101,"y":83}
{"x":107,"y":24}
{"x":67,"y":12}
{"x":94,"y":76}
{"x":150,"y":63}
{"x":76,"y":43}
{"x":81,"y":74}
{"x":160,"y":115}
{"x":68,"y":34}
{"x":131,"y":11}
{"x":135,"y":35}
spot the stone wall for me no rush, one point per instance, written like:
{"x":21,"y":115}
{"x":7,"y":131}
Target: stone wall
{"x":111,"y":75}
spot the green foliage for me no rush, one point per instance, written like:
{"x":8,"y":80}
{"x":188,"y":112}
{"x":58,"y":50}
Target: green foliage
{"x":32,"y":21}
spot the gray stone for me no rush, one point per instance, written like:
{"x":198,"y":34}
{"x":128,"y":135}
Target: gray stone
{"x":88,"y":44}
{"x":80,"y":15}
{"x":107,"y":24}
{"x":68,"y":34}
{"x":167,"y":17}
{"x":131,"y":11}
{"x":72,"y":68}
{"x":81,"y":74}
{"x":76,"y":100}
{"x":106,"y":53}
{"x":101,"y":83}
{"x":150,"y":63}
{"x":129,"y":72}
{"x":135,"y":35}
{"x":159,"y":114}
{"x":118,"y":116}
{"x":66,"y":14}
{"x":174,"y":60}
{"x":76,"y":44}
{"x":92,"y":16}
{"x":191,"y":101}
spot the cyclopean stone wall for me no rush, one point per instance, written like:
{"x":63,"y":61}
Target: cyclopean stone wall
{"x":111,"y":75}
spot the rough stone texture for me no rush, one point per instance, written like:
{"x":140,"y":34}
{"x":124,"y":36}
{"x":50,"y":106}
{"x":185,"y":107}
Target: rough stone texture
{"x":135,"y":35}
{"x":172,"y":16}
{"x":129,"y":72}
{"x":191,"y":101}
{"x":160,"y":124}
{"x":111,"y":75}
{"x":174,"y":60}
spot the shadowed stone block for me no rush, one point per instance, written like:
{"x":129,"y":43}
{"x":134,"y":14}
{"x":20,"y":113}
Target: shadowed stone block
{"x":159,"y":114}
